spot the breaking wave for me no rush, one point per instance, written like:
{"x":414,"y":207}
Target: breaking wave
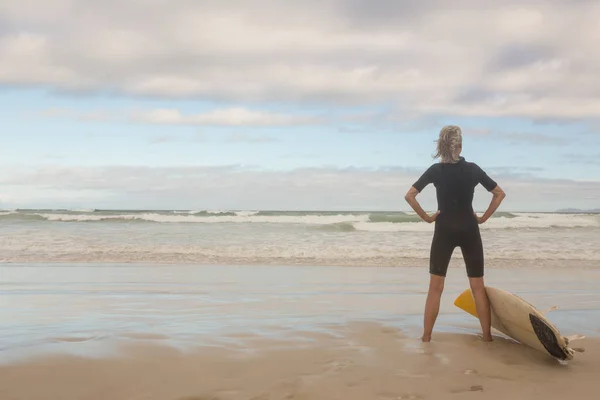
{"x":334,"y":221}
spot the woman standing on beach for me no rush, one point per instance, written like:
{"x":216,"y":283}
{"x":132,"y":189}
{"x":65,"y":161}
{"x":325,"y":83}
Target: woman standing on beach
{"x":456,"y":224}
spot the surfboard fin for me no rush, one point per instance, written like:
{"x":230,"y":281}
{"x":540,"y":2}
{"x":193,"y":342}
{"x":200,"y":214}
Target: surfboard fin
{"x":572,"y":338}
{"x":573,"y":350}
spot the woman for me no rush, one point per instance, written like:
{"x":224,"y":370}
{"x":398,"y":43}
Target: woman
{"x":456,"y":224}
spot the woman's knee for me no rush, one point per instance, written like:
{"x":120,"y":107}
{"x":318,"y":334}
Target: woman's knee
{"x":477,"y":284}
{"x":436,"y":284}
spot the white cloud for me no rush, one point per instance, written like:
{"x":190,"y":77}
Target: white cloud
{"x":163,"y":139}
{"x":237,"y":187}
{"x":94,"y":115}
{"x":221,"y":117}
{"x":237,"y":137}
{"x":233,"y":117}
{"x":521,"y":137}
{"x":583,"y":159}
{"x":533,"y":59}
{"x":347,"y":122}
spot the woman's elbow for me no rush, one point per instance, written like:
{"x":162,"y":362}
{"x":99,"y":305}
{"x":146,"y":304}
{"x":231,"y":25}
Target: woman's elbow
{"x":499,"y":193}
{"x":410,"y":195}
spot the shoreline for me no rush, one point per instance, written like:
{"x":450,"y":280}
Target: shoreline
{"x":228,"y":332}
{"x":357,"y":360}
{"x":401,"y":262}
{"x":187,"y":302}
{"x":280,"y":210}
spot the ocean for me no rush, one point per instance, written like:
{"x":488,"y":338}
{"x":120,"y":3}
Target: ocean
{"x":335,"y":238}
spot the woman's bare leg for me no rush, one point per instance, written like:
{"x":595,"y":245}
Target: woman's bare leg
{"x":432,"y":305}
{"x":482,"y":305}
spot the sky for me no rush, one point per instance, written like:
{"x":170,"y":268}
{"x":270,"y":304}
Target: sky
{"x":275,"y":104}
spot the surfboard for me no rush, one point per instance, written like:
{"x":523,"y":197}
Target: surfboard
{"x":522,"y":322}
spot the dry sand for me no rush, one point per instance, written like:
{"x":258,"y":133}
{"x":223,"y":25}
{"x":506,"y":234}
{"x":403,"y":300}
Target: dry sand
{"x":359,"y":361}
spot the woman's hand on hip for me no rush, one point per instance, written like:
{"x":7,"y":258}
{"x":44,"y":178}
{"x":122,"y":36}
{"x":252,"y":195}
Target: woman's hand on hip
{"x":431,"y":218}
{"x":479,"y":219}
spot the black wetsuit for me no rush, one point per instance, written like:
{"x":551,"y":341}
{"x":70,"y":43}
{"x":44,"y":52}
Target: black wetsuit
{"x":456,"y":225}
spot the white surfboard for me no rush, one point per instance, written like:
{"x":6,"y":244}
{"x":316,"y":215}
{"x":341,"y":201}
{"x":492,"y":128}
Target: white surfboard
{"x":522,"y":322}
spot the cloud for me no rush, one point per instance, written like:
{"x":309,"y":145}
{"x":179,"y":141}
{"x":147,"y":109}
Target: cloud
{"x":531,"y":59}
{"x":244,"y":187}
{"x":520,"y":137}
{"x":583,"y":159}
{"x":535,"y":138}
{"x":237,"y":137}
{"x":237,"y":116}
{"x":58,"y":112}
{"x":222,"y":117}
{"x":199,"y":137}
{"x":163,"y":139}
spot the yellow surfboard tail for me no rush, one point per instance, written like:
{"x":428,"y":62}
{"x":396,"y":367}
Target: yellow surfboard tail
{"x":466,"y":302}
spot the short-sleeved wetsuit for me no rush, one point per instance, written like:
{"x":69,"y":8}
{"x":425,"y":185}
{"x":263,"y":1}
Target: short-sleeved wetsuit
{"x":456,"y":225}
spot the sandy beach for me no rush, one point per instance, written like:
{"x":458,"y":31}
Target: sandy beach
{"x":178,"y":332}
{"x":357,"y":361}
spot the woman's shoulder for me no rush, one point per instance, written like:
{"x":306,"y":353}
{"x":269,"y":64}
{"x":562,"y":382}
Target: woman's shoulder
{"x":434,"y":167}
{"x":471,"y":164}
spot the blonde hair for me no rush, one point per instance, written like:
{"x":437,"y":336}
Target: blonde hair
{"x":449,"y":144}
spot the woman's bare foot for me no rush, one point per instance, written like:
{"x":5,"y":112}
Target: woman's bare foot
{"x":426,"y":338}
{"x":485,"y":338}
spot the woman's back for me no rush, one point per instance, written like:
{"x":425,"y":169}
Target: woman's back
{"x":455,"y":185}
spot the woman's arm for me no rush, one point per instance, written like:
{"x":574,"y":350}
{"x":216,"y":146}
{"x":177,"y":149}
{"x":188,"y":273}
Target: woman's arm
{"x":411,"y":198}
{"x":497,"y":196}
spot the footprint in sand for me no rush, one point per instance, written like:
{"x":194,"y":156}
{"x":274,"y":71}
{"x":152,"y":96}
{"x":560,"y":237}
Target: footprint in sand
{"x":401,"y":397}
{"x":337,"y":366}
{"x":442,"y":358}
{"x":407,"y":374}
{"x":476,"y":388}
{"x":75,"y":339}
{"x":268,"y":396}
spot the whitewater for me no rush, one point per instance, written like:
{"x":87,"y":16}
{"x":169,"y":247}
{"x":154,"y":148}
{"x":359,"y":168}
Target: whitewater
{"x":511,"y":239}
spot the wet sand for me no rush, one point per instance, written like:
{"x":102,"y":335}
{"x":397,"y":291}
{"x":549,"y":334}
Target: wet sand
{"x":175,"y":332}
{"x":357,"y":361}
